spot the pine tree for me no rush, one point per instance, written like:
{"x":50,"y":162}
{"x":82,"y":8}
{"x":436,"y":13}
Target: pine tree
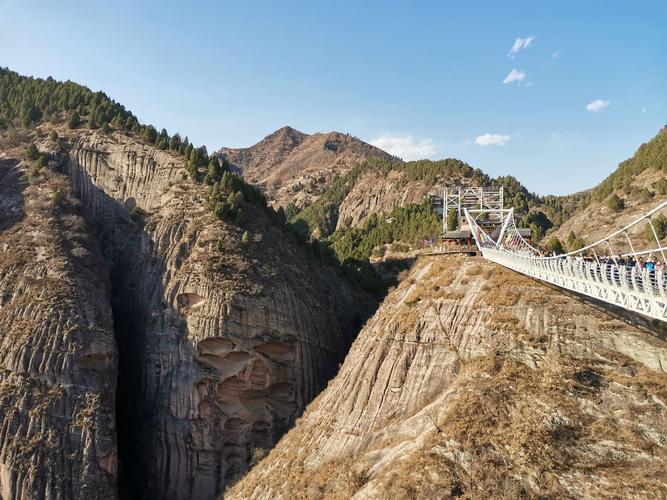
{"x":74,"y":120}
{"x":53,"y":136}
{"x":163,"y":137}
{"x":33,"y":152}
{"x":150,"y":134}
{"x":214,"y":171}
{"x":117,"y":122}
{"x":175,"y":142}
{"x":452,"y":220}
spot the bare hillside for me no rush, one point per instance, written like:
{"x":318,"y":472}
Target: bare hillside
{"x":473,"y":381}
{"x":293,"y":167}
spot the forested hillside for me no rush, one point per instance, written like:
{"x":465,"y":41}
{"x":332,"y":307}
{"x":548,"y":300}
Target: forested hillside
{"x":638,"y":184}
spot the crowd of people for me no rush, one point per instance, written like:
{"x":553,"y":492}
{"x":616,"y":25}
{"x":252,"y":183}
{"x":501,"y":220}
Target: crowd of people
{"x":650,"y":263}
{"x":636,"y":272}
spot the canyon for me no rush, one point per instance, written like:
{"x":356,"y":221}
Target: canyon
{"x":170,"y":349}
{"x":166,"y":333}
{"x":473,"y":381}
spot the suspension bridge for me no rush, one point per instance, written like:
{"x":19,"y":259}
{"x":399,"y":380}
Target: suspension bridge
{"x":609,"y":270}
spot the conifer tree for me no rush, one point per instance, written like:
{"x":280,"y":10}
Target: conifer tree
{"x":33,"y":152}
{"x":175,"y":142}
{"x":214,"y":171}
{"x":74,"y":119}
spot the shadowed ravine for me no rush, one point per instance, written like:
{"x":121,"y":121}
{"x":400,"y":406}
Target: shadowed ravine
{"x":216,"y":360}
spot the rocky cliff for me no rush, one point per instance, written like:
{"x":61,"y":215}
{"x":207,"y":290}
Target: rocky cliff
{"x":293,"y":167}
{"x":476,"y":382}
{"x":221,"y":342}
{"x":58,"y":361}
{"x":377,"y":194}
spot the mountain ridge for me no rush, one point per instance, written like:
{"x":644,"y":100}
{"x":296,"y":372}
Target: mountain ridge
{"x":293,"y":167}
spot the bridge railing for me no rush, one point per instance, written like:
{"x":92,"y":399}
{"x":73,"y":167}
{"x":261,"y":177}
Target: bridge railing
{"x":634,"y":288}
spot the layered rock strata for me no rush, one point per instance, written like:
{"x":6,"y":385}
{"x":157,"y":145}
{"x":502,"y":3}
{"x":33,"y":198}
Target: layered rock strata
{"x":473,"y":381}
{"x":57,"y":354}
{"x":221,"y":343}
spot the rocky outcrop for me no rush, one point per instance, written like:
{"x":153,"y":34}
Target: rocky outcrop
{"x":474,"y":381}
{"x":380,"y":194}
{"x":293,"y":167}
{"x":221,"y":343}
{"x":58,"y":355}
{"x":380,"y":191}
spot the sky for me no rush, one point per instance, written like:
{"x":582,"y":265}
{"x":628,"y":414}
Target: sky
{"x":553,"y":93}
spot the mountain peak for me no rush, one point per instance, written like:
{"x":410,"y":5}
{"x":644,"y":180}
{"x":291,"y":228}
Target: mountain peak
{"x":291,"y":166}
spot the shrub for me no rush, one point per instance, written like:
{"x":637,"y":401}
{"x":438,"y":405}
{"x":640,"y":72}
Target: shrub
{"x":33,"y":152}
{"x":53,"y":136}
{"x":573,"y":242}
{"x":452,"y":220}
{"x":660,"y":226}
{"x":58,"y":198}
{"x":245,"y":238}
{"x":616,"y":203}
{"x":661,"y":186}
{"x":42,"y":162}
{"x":555,"y":245}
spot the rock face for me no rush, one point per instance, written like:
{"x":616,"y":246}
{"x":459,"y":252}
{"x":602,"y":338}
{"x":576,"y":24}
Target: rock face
{"x":473,"y":381}
{"x":380,"y":190}
{"x":293,"y":167}
{"x":220,"y":343}
{"x":58,"y":355}
{"x":374,"y":194}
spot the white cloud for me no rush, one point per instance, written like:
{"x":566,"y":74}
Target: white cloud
{"x":492,"y":140}
{"x":521,"y":44}
{"x":556,"y":55}
{"x":406,"y":146}
{"x":517,"y":77}
{"x":597,"y":105}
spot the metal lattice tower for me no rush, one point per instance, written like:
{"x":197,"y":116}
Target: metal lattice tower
{"x":477,"y":200}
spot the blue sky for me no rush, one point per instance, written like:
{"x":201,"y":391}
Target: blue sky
{"x":422,"y":79}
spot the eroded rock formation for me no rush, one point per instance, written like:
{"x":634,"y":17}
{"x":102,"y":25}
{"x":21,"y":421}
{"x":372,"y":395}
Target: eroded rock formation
{"x":57,"y":353}
{"x":474,"y":381}
{"x":221,"y":343}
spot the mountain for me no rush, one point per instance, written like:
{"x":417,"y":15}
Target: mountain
{"x":158,"y":333}
{"x":376,"y":187}
{"x":292,"y":167}
{"x":635,"y":187}
{"x":473,"y":381}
